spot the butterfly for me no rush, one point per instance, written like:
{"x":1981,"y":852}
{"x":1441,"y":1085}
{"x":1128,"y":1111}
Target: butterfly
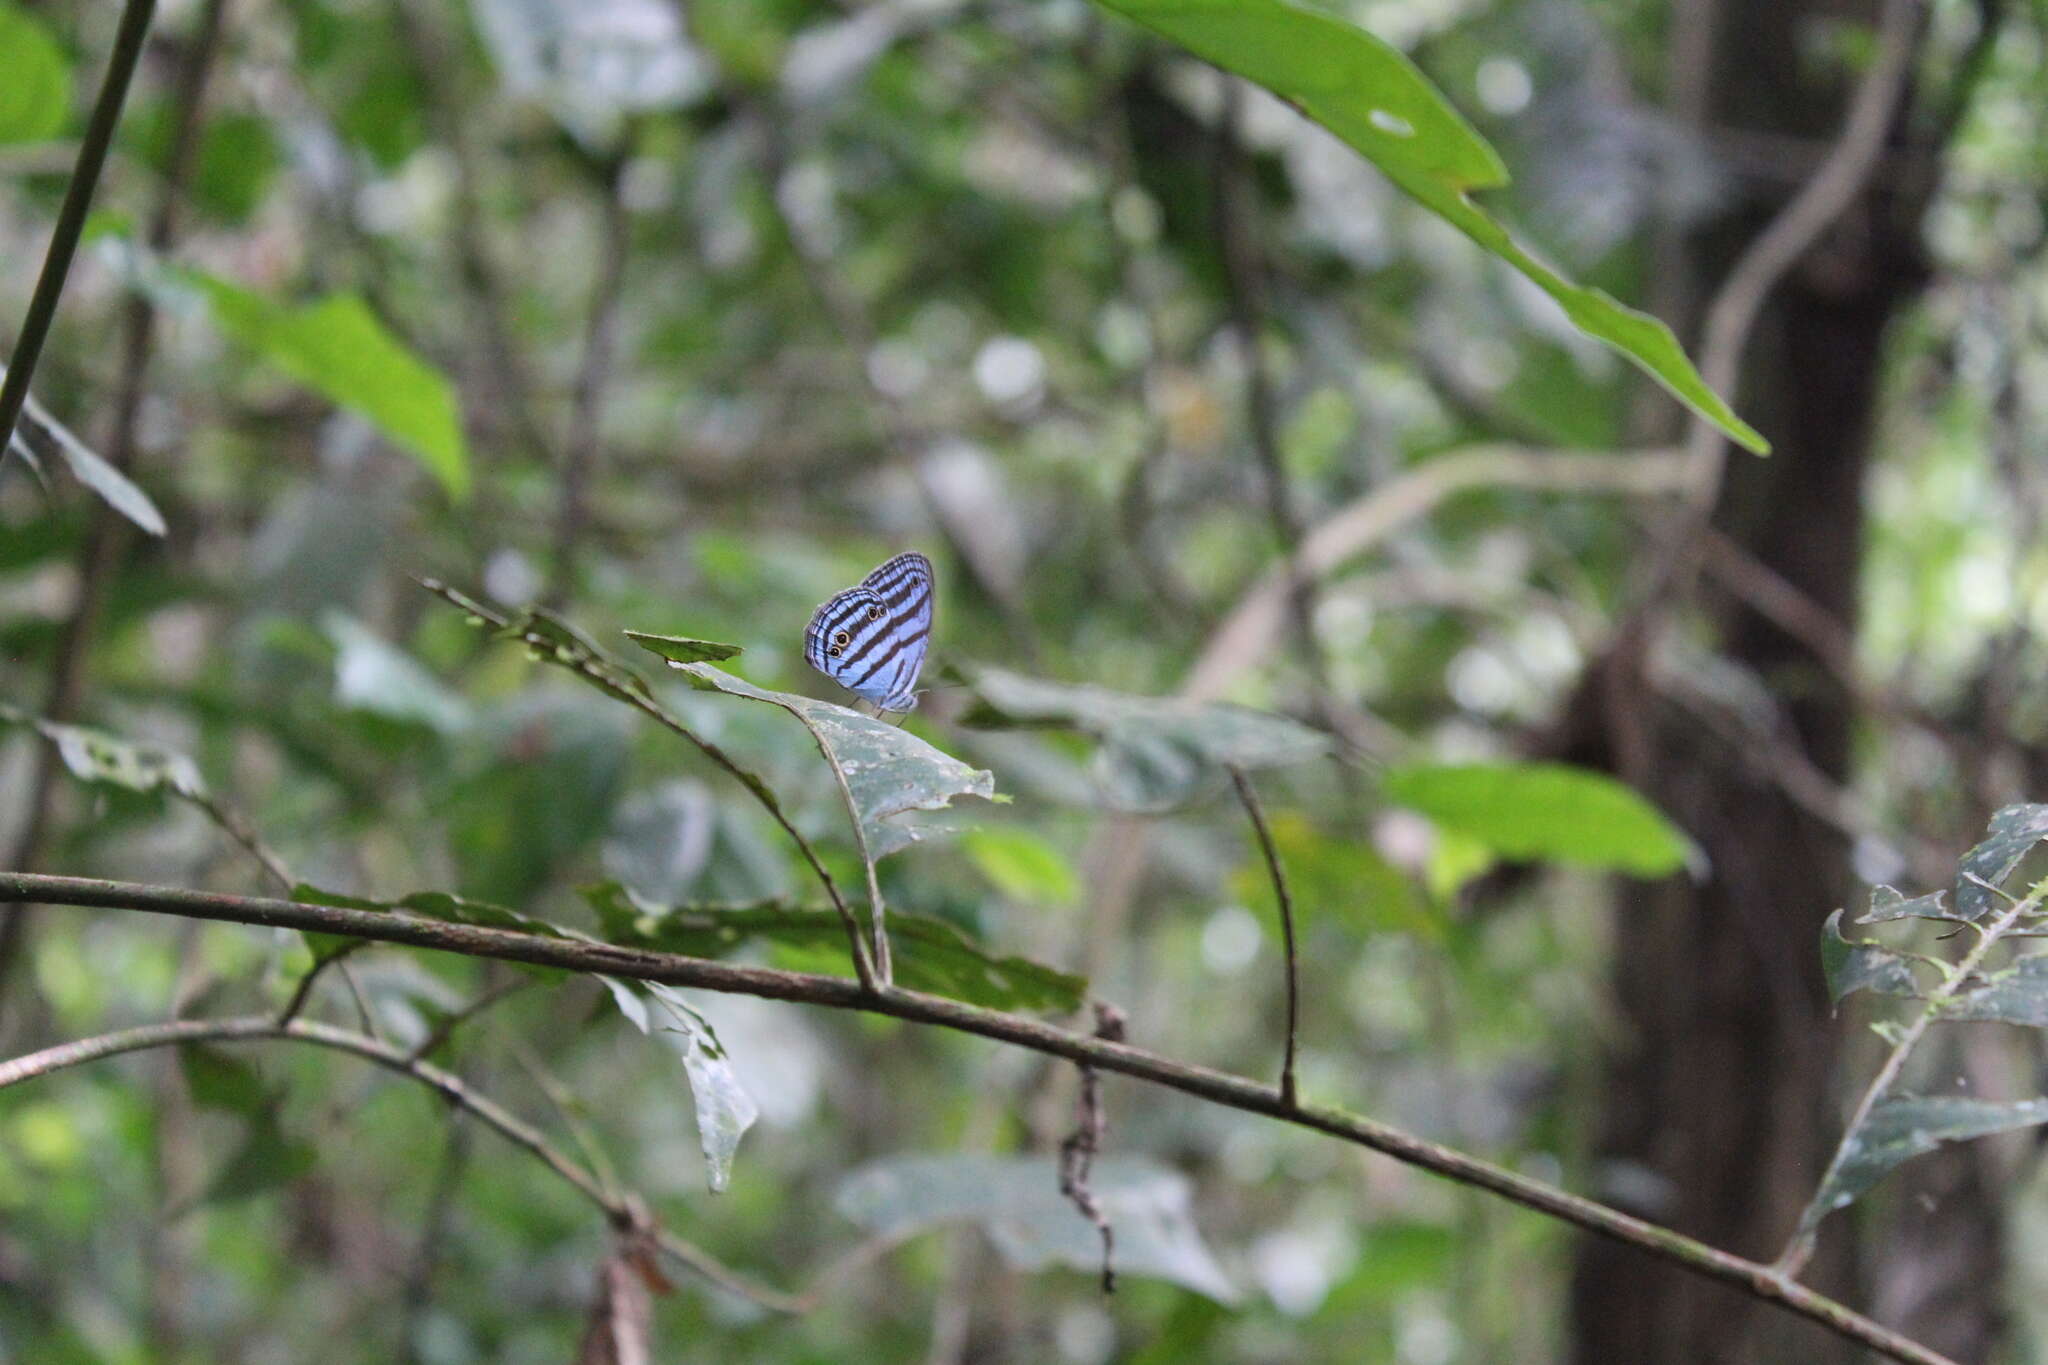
{"x":871,"y":639}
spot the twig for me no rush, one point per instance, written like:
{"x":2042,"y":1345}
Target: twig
{"x":85,"y":179}
{"x":586,"y":411}
{"x":445,"y":1030}
{"x":1234,"y":1092}
{"x":1248,"y":633}
{"x":1080,"y":1148}
{"x":1250,"y":798}
{"x":304,"y":990}
{"x":1954,"y":977}
{"x":646,"y":705}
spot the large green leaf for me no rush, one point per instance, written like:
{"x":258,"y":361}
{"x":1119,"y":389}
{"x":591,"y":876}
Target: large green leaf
{"x":1375,"y":99}
{"x":35,"y":79}
{"x":1545,"y":812}
{"x":930,"y":954}
{"x":888,"y":771}
{"x":336,"y":346}
{"x":1902,"y":1128}
{"x":1156,"y":752}
{"x":1852,"y":965}
{"x":1017,"y":1202}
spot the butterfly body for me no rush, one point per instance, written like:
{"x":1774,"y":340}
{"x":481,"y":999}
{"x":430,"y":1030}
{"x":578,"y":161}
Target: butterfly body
{"x":871,"y":639}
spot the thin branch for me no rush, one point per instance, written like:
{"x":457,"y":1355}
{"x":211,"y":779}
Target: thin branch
{"x":1954,"y":977}
{"x":304,"y":990}
{"x":637,"y":697}
{"x":445,"y":1030}
{"x":85,"y":179}
{"x":1250,"y":798}
{"x":586,"y":411}
{"x":1249,"y":632}
{"x":1235,"y":1092}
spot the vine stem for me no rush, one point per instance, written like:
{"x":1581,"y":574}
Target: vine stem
{"x":1800,"y":1247}
{"x":1250,"y":798}
{"x":1233,"y":1092}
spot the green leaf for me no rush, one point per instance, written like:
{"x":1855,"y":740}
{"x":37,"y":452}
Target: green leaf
{"x":87,"y":466}
{"x":2016,"y":995}
{"x":931,"y":955}
{"x":888,"y":771}
{"x":107,"y":760}
{"x":35,"y":79}
{"x":1888,"y":904}
{"x":218,"y":1080}
{"x":336,"y":346}
{"x":1861,"y":965}
{"x":1383,"y":107}
{"x":1545,"y":812}
{"x":682,"y":649}
{"x":372,"y":674}
{"x":2013,"y":833}
{"x":1156,"y":752}
{"x":1021,"y":865}
{"x":1900,"y":1129}
{"x":1016,"y":1201}
{"x":724,"y":1108}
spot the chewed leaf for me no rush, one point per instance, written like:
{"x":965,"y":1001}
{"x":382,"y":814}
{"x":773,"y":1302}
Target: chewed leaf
{"x":888,"y":771}
{"x":1888,"y":904}
{"x":1862,"y":965}
{"x":1017,"y":1202}
{"x":724,"y":1108}
{"x":108,"y":760}
{"x":2016,"y":995}
{"x":930,"y":954}
{"x":2014,"y":832}
{"x":1156,"y":752}
{"x":681,"y":649}
{"x":1903,"y":1128}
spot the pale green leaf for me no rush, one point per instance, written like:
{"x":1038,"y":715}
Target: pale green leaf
{"x":35,"y":79}
{"x":1545,"y":812}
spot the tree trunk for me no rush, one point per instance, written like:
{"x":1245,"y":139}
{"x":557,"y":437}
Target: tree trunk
{"x":1719,"y":1110}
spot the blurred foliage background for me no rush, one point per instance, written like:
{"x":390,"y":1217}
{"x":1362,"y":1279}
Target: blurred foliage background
{"x":681,"y":317}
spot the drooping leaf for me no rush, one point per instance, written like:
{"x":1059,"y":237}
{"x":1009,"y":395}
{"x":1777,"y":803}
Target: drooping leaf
{"x":1861,"y":965}
{"x":1156,"y":752}
{"x":35,"y":81}
{"x":2014,"y":832}
{"x":86,"y":464}
{"x":372,"y":674}
{"x":2018,"y":994}
{"x":1016,"y":1201}
{"x":1383,"y":107}
{"x":724,"y":1108}
{"x":1889,"y":904}
{"x":888,"y":771}
{"x":336,"y":346}
{"x":930,"y":954}
{"x":1545,"y":812}
{"x":681,"y":649}
{"x":1907,"y":1126}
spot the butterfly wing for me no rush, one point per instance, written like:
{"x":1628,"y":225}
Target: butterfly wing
{"x":872,"y":639}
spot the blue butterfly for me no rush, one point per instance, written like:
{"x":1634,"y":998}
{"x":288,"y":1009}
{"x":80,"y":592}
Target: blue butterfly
{"x":871,"y":639}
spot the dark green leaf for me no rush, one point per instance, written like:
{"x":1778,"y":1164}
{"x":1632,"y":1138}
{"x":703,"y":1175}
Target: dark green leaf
{"x":1017,"y":1202}
{"x":2016,"y":995}
{"x":1861,"y":965}
{"x":887,"y":770}
{"x":2014,"y":832}
{"x":931,"y":955}
{"x":1545,"y":812}
{"x":682,"y":649}
{"x":35,"y":79}
{"x":1378,"y":102}
{"x":1156,"y":752}
{"x":218,"y":1080}
{"x":1905,"y":1127}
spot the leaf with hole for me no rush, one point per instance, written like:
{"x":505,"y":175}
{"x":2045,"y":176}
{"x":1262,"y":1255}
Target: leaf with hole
{"x":1889,"y":904}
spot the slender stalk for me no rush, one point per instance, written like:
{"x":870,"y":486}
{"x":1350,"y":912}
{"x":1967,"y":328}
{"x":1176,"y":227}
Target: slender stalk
{"x":1234,"y":1092}
{"x":1250,"y":798}
{"x":85,"y":178}
{"x":1954,"y":976}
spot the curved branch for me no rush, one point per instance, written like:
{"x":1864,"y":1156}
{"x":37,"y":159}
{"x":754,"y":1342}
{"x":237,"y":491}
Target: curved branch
{"x":1234,"y":1092}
